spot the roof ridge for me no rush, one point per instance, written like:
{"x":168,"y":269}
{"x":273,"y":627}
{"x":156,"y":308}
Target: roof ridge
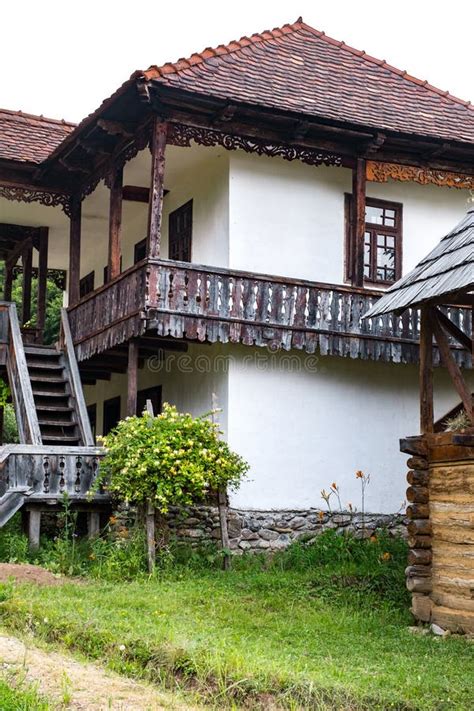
{"x":233,"y":46}
{"x":37,"y":117}
{"x":385,"y":65}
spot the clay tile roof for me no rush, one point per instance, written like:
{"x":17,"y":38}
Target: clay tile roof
{"x":30,"y":139}
{"x":300,"y":69}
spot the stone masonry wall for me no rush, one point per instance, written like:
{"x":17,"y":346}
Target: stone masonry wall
{"x":273,"y":530}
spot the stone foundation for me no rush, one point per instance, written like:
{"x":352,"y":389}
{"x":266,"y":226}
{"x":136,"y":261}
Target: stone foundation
{"x":274,"y":530}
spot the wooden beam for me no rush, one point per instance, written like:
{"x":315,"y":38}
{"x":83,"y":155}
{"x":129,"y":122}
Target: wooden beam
{"x":18,"y":251}
{"x":74,"y":252}
{"x":358,"y":221}
{"x":158,"y":147}
{"x":42,"y":280}
{"x":450,"y":364}
{"x":27,"y":263}
{"x":453,"y":330}
{"x":115,"y":128}
{"x":115,"y":224}
{"x":426,"y":373}
{"x":132,"y":378}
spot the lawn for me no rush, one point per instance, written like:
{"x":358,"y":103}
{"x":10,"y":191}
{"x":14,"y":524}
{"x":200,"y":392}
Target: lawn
{"x":318,"y":627}
{"x":12,"y":699}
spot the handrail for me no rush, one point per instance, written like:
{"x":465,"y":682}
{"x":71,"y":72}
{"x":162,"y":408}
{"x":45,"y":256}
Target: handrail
{"x":18,"y":376}
{"x":75,"y":381}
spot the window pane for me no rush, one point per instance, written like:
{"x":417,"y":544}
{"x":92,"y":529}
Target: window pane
{"x":385,"y":257}
{"x":390,"y":241}
{"x":367,"y":271}
{"x":374,"y":215}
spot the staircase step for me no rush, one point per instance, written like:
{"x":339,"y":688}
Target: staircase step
{"x":43,"y":365}
{"x":47,"y":378}
{"x":54,"y":439}
{"x":49,"y":393}
{"x":40,"y":407}
{"x":42,"y":351}
{"x":56,"y":423}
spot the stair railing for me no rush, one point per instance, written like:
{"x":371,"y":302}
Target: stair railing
{"x":67,"y":346}
{"x":18,"y":376}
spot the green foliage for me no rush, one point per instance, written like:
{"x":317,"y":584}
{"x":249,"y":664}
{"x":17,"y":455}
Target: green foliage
{"x":24,"y":698}
{"x":173,"y":459}
{"x":54,"y":302}
{"x":10,"y":427}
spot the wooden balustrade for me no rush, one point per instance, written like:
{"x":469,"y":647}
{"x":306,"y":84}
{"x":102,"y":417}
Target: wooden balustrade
{"x":213,"y":304}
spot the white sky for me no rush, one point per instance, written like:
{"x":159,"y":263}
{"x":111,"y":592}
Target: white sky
{"x":62,"y":58}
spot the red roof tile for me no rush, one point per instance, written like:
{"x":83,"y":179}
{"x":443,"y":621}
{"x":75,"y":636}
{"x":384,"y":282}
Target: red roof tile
{"x":30,"y":139}
{"x":297,"y":68}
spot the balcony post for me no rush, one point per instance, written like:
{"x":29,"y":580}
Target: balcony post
{"x":42,"y":280}
{"x":115,"y":223}
{"x":27,"y":264}
{"x":155,"y":208}
{"x":74,"y":251}
{"x":426,"y":372}
{"x":132,"y":378}
{"x":358,"y":221}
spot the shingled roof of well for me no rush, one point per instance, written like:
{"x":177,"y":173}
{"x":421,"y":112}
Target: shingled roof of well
{"x":26,"y":138}
{"x":447,"y":269}
{"x":300,"y":69}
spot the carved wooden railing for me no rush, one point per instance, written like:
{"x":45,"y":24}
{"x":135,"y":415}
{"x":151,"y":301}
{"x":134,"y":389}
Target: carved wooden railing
{"x":111,"y":314}
{"x":77,"y":392}
{"x":18,"y":376}
{"x":50,"y":472}
{"x":215,"y":304}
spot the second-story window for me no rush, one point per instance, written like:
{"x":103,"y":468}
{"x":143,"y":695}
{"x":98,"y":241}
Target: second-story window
{"x":382,"y":242}
{"x":86,"y":284}
{"x":180,"y":233}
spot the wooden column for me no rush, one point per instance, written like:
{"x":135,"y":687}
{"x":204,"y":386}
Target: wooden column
{"x":158,"y":147}
{"x":358,"y":221}
{"x":426,"y":372}
{"x":132,"y":378}
{"x":34,"y":528}
{"x":27,"y":263}
{"x":93,"y":524}
{"x":42,"y":280}
{"x":115,"y":224}
{"x":7,"y":287}
{"x":74,"y":252}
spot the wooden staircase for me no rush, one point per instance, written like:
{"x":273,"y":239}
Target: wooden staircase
{"x":57,"y":453}
{"x":55,"y":405}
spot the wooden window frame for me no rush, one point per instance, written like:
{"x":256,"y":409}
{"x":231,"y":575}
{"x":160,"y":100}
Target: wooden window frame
{"x":187,"y":205}
{"x":397,"y":232}
{"x":137,"y":247}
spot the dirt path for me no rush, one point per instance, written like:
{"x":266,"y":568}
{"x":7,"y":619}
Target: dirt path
{"x":80,"y":686}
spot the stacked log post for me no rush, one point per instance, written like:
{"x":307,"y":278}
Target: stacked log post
{"x":418,"y":572}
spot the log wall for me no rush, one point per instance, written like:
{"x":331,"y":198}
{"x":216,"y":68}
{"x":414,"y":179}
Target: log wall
{"x":440,"y":574}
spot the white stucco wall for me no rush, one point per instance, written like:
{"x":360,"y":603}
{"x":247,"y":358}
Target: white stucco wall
{"x":287,"y":218}
{"x":320,"y":423}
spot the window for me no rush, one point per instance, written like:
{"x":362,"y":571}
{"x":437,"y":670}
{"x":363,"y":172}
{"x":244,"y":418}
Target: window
{"x":180,"y":233}
{"x":92,"y":413}
{"x":139,"y":251}
{"x":382,"y":243}
{"x":111,"y":414}
{"x":153,"y":394}
{"x":106,"y":270}
{"x":86,"y":284}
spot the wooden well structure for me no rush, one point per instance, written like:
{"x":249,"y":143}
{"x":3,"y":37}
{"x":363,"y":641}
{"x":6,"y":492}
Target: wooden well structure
{"x":440,"y":496}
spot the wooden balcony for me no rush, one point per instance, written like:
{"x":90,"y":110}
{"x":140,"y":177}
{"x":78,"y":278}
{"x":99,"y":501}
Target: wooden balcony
{"x":194,"y":302}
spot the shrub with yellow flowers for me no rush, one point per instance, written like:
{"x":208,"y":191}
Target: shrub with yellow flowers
{"x":172,"y":459}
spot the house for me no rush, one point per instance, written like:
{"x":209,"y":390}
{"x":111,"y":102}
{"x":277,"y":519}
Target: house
{"x":224,"y":222}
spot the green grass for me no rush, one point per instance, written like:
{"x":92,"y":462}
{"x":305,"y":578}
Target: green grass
{"x":318,"y":627}
{"x":22,"y":699}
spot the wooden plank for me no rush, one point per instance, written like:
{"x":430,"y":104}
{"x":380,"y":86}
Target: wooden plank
{"x":132,"y":378}
{"x":454,"y":330}
{"x":426,"y":373}
{"x":158,"y":148}
{"x":34,"y":528}
{"x":42,"y":280}
{"x":74,"y":252}
{"x":115,"y":223}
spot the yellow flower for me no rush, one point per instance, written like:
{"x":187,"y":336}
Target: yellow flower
{"x":386,"y":556}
